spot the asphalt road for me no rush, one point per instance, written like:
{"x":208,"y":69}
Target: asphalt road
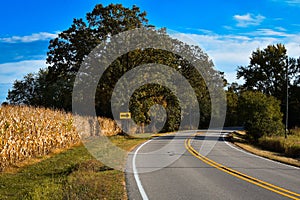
{"x":185,"y":167}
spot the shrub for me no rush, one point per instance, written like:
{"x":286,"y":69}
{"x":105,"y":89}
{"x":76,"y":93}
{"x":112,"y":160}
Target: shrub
{"x":260,"y":115}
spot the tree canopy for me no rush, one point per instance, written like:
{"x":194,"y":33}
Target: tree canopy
{"x":52,"y":87}
{"x":268,"y":71}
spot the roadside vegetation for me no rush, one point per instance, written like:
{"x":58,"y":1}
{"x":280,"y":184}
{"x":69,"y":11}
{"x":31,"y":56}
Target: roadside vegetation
{"x":71,"y":174}
{"x":260,"y":104}
{"x":278,"y":148}
{"x":42,"y":157}
{"x":289,"y":147}
{"x":28,"y":132}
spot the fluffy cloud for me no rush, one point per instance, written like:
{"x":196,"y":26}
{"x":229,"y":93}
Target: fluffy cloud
{"x":230,"y":51}
{"x":248,"y":20}
{"x":9,"y":72}
{"x":29,"y":38}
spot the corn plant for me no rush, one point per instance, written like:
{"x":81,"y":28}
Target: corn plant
{"x":27,"y":132}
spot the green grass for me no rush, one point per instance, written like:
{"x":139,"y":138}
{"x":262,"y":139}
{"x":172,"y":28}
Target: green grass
{"x":72,"y":174}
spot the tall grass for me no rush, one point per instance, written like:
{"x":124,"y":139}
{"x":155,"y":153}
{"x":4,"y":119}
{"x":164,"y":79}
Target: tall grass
{"x":289,"y":147}
{"x":27,"y":132}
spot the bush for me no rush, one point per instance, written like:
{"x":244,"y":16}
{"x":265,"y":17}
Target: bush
{"x":260,"y":115}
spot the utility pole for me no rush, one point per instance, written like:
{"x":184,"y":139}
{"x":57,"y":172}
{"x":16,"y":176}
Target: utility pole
{"x":287,"y":98}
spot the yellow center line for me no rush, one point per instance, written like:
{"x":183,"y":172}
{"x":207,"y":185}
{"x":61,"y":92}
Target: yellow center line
{"x":263,"y":184}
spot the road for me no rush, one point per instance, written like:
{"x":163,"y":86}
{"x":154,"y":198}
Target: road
{"x":185,"y":167}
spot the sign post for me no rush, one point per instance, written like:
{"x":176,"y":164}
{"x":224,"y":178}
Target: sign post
{"x":126,"y":116}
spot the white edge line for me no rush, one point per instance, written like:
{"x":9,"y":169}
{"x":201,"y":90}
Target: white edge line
{"x":136,"y":175}
{"x":254,"y":155}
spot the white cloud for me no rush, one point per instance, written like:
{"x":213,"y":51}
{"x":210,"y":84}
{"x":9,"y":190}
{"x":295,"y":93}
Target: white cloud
{"x":289,"y":2}
{"x":230,"y":51}
{"x":231,"y":77}
{"x":269,"y":32}
{"x":280,"y":28}
{"x":248,"y":20}
{"x":293,"y":2}
{"x":30,"y":38}
{"x":9,"y":72}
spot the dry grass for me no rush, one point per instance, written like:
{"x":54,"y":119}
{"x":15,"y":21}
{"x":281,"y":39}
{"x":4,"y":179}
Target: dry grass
{"x":238,"y":139}
{"x":288,"y":146}
{"x":268,"y":154}
{"x":27,"y":132}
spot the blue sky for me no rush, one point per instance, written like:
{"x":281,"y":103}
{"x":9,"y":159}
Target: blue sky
{"x":227,"y":30}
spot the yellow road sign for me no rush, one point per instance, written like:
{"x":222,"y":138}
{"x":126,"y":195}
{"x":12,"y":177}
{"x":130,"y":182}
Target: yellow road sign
{"x":125,"y":115}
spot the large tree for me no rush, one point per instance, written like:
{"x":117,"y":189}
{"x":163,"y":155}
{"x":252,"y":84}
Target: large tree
{"x":267,"y":73}
{"x":68,"y":51}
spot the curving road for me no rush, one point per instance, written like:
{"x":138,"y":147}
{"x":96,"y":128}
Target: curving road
{"x":185,"y":167}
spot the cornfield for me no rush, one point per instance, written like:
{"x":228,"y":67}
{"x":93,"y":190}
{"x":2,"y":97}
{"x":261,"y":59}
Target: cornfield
{"x":27,"y":132}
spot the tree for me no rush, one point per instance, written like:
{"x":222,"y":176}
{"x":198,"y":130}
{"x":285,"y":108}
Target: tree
{"x":53,"y":87}
{"x":67,"y":51}
{"x":267,"y":72}
{"x":147,"y":96}
{"x":294,"y":106}
{"x":260,"y":114}
{"x":232,"y":95}
{"x":23,"y":91}
{"x":3,"y":104}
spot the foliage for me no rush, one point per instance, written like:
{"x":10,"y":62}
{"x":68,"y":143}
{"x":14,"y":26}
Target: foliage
{"x":232,"y":115}
{"x":267,"y":73}
{"x":142,"y":104}
{"x":53,"y":86}
{"x":260,"y":114}
{"x":294,"y":106}
{"x":24,"y":91}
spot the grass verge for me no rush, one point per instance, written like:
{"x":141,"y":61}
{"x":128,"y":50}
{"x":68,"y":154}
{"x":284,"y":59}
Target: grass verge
{"x":71,"y":174}
{"x":239,"y":139}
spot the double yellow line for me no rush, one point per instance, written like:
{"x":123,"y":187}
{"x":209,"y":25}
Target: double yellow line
{"x":268,"y":186}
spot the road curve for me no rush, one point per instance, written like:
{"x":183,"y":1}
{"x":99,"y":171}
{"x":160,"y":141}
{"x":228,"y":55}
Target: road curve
{"x":226,"y":172}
